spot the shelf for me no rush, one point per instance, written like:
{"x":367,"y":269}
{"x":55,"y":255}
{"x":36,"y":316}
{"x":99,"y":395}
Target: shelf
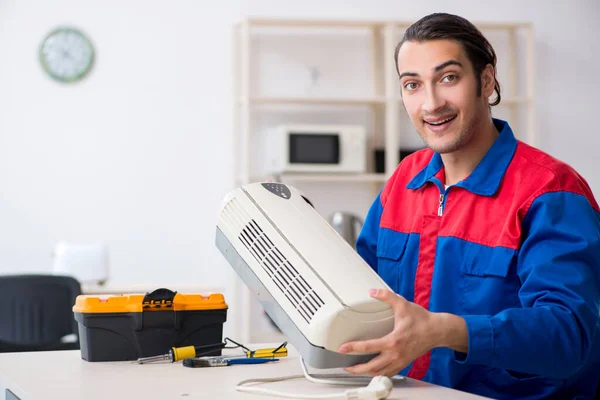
{"x":314,"y":100}
{"x":334,"y":177}
{"x":315,"y":23}
{"x":348,"y":101}
{"x":369,"y":95}
{"x":481,"y":25}
{"x":323,"y":23}
{"x":504,"y":101}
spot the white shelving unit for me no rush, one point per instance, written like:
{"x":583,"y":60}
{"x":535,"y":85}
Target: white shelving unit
{"x":388,"y":124}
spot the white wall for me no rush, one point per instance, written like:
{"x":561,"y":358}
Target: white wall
{"x":138,"y":154}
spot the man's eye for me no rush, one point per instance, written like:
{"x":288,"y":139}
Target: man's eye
{"x":449,"y":78}
{"x":410,"y":86}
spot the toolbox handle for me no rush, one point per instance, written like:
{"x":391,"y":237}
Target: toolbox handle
{"x":159,"y":298}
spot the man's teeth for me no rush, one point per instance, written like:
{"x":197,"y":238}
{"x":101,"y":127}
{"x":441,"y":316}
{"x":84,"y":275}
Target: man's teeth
{"x":441,"y":122}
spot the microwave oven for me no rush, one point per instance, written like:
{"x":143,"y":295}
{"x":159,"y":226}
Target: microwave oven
{"x":316,"y":148}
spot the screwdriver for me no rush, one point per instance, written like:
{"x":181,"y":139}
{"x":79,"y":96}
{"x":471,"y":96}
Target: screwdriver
{"x":180,"y":353}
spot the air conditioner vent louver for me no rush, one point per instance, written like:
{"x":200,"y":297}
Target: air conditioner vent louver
{"x":295,"y":288}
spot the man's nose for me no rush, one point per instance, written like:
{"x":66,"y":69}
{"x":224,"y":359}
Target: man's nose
{"x":433,"y":102}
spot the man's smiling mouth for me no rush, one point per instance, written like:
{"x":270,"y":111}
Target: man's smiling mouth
{"x":441,"y":121}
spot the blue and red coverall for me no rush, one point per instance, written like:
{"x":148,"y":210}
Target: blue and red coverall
{"x":514,"y":249}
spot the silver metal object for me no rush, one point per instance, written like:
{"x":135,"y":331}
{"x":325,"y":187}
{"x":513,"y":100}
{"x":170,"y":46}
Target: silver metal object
{"x":215,"y":361}
{"x":162,"y":357}
{"x":347,"y":225}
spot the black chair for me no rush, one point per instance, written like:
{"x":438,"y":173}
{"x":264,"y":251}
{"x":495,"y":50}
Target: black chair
{"x":36,"y":312}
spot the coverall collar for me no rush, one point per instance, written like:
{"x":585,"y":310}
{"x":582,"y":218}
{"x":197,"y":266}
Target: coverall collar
{"x":487,"y":175}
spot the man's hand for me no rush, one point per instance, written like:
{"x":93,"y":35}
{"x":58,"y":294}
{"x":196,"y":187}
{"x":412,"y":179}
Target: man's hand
{"x":416,"y":331}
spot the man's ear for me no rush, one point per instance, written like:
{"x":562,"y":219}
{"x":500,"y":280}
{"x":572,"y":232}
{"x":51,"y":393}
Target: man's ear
{"x":488,"y":80}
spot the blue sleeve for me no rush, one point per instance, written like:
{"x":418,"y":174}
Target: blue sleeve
{"x":366,"y":243}
{"x":559,"y":268}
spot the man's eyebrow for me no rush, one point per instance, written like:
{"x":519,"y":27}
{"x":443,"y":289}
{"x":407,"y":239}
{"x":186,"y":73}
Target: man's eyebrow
{"x":402,"y":75}
{"x":447,"y":63}
{"x":436,"y":69}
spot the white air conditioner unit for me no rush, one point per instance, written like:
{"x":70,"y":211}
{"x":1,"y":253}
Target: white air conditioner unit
{"x":310,"y":281}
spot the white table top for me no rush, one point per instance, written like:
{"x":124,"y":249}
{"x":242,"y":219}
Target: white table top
{"x":64,"y":375}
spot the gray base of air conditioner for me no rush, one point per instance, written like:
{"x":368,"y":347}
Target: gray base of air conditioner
{"x":315,"y":356}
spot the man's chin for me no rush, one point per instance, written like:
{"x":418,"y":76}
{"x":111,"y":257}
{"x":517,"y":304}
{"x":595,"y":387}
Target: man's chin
{"x":443,"y":148}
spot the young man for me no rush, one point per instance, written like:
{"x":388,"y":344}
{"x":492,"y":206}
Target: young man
{"x":491,"y":246}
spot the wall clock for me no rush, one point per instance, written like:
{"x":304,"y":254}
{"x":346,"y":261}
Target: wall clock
{"x":66,"y":54}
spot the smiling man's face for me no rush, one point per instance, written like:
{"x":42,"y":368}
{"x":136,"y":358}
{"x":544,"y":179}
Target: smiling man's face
{"x":440,"y":93}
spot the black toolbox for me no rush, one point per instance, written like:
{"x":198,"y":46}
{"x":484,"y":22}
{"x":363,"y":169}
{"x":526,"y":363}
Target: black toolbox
{"x":128,"y":327}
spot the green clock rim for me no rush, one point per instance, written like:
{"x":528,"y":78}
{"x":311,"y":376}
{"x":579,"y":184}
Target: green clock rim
{"x":79,"y":76}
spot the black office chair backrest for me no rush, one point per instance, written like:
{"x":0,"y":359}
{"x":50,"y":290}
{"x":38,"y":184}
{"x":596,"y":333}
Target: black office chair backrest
{"x":36,"y":310}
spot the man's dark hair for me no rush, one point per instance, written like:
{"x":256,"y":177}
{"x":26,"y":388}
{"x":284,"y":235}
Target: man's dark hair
{"x":452,"y":27}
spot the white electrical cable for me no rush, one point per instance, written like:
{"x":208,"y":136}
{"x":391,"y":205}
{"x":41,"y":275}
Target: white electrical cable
{"x":332,"y":379}
{"x":378,"y":388}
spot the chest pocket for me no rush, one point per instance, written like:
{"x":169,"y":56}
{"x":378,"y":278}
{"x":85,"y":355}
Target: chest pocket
{"x":489,"y":282}
{"x":391,"y":246}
